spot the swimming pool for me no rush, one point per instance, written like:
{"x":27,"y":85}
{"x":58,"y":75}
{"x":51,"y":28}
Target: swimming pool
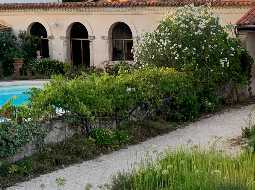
{"x":17,"y":91}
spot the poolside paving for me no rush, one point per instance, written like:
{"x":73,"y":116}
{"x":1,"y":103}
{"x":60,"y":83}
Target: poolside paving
{"x":23,"y":82}
{"x":216,"y":131}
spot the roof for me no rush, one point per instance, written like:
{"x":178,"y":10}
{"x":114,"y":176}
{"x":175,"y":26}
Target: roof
{"x":3,"y":26}
{"x":29,"y":1}
{"x":248,"y":18}
{"x":126,"y":3}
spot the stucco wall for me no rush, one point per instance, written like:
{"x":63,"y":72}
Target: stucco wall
{"x":98,"y":22}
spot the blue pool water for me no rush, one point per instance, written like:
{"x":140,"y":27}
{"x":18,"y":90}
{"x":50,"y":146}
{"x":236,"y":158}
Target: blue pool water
{"x":17,"y":92}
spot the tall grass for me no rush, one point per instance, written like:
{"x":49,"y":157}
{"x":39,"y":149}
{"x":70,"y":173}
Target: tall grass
{"x":195,"y":170}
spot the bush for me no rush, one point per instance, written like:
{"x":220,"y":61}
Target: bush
{"x":8,"y":46}
{"x":191,"y":170}
{"x":120,"y":67}
{"x":28,"y":45}
{"x":249,"y":134}
{"x":13,"y":136}
{"x":23,"y":46}
{"x":192,"y":40}
{"x":48,"y":67}
{"x":94,"y":95}
{"x":109,"y":137}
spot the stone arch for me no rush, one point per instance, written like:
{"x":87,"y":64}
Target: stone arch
{"x":28,"y":23}
{"x":79,"y":44}
{"x":121,"y":42}
{"x":38,"y":30}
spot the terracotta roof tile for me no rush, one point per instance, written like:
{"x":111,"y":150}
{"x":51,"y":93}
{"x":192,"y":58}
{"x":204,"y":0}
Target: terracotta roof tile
{"x":248,"y":18}
{"x":125,"y":3}
{"x":4,"y":27}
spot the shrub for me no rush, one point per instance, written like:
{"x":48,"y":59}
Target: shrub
{"x":249,"y":134}
{"x":185,"y":170}
{"x":120,"y":67}
{"x":13,"y":136}
{"x":192,"y":40}
{"x":94,"y":95}
{"x":8,"y":47}
{"x":47,"y":67}
{"x":28,"y":45}
{"x":22,"y":46}
{"x":109,"y":137}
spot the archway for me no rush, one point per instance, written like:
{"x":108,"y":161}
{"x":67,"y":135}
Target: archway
{"x":121,"y":42}
{"x":79,"y":45}
{"x":39,"y":31}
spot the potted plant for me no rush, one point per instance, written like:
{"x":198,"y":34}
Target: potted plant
{"x":18,"y":62}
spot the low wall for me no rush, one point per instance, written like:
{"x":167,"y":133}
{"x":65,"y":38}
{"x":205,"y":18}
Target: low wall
{"x":57,"y":131}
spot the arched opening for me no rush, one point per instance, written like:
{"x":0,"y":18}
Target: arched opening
{"x":79,"y":45}
{"x":122,"y":42}
{"x":39,"y":31}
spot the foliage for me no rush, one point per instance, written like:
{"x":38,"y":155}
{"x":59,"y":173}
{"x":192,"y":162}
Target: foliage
{"x":93,"y":95}
{"x":16,"y":114}
{"x":23,"y":46}
{"x":120,"y":67}
{"x":17,"y":129}
{"x":8,"y":47}
{"x":48,"y":67}
{"x":106,"y":136}
{"x":28,"y":45}
{"x":13,"y":136}
{"x":249,"y":134}
{"x":192,"y":40}
{"x":186,"y":170}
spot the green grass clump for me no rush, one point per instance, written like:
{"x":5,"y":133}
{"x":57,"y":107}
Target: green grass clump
{"x":249,"y":135}
{"x":192,"y":171}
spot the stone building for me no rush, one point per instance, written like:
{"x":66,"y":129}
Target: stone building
{"x":96,"y":33}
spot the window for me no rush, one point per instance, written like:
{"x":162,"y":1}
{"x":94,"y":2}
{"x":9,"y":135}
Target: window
{"x":122,"y":42}
{"x":38,"y":30}
{"x":79,"y":42}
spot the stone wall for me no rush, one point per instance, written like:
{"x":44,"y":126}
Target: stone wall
{"x":57,"y":131}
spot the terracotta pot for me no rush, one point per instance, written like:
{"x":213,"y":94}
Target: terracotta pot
{"x":18,"y":63}
{"x":29,"y":74}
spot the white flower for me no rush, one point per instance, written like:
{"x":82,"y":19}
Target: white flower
{"x":216,"y":172}
{"x":129,"y":89}
{"x":164,"y":172}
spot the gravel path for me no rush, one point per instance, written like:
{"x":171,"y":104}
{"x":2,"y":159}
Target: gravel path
{"x":216,"y":130}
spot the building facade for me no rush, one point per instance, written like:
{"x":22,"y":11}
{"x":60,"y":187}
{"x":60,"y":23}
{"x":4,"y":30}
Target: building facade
{"x":99,"y":33}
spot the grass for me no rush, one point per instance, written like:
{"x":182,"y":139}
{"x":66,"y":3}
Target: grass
{"x":249,"y":134}
{"x":75,"y":150}
{"x":191,"y":170}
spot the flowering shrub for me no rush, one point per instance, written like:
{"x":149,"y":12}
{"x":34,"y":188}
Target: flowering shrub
{"x":192,"y":40}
